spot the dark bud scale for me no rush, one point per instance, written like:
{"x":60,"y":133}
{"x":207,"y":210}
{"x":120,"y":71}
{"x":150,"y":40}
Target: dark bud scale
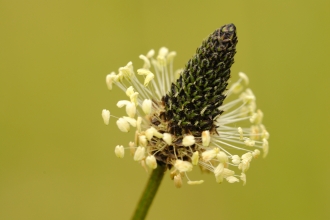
{"x":193,"y":103}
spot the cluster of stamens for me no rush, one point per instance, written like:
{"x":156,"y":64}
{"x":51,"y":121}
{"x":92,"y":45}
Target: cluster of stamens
{"x":156,"y":145}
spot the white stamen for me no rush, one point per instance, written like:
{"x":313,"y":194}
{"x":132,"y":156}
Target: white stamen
{"x":195,"y":158}
{"x":139,"y":154}
{"x":178,"y":181}
{"x":188,"y":140}
{"x":131,"y":121}
{"x":146,"y":64}
{"x":146,"y":106}
{"x":232,"y":179}
{"x":210,"y":154}
{"x":244,"y":77}
{"x":222,"y":157}
{"x":122,"y":103}
{"x":196,"y":182}
{"x":123,"y":125}
{"x":183,"y":166}
{"x":110,"y":78}
{"x":143,"y":140}
{"x":240,"y":131}
{"x":150,"y":54}
{"x":106,"y":116}
{"x":131,"y":109}
{"x":130,"y":91}
{"x":206,"y":138}
{"x":249,"y":142}
{"x":148,"y":79}
{"x":167,"y":138}
{"x":151,"y":162}
{"x":235,"y":159}
{"x":119,"y":151}
{"x":265,"y":147}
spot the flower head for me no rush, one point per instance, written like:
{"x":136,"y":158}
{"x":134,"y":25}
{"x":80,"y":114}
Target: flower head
{"x":182,"y":118}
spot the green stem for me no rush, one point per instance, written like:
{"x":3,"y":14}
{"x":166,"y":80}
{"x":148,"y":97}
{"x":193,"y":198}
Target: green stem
{"x":149,"y":192}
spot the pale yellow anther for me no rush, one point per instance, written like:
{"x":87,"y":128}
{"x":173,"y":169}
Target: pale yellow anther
{"x":195,"y":158}
{"x":122,"y":103}
{"x":130,"y":91}
{"x":146,"y":106}
{"x":143,"y":72}
{"x":264,"y":132}
{"x":248,"y":96}
{"x":126,"y":71}
{"x":151,"y":162}
{"x":139,"y":153}
{"x":146,"y":64}
{"x":265,"y":147}
{"x":177,"y":181}
{"x":120,"y":151}
{"x":206,"y":138}
{"x":131,"y":109}
{"x":151,"y":53}
{"x":149,"y":133}
{"x":232,"y":179}
{"x":248,"y":142}
{"x":162,"y":56}
{"x":171,"y":56}
{"x":188,"y":140}
{"x":244,"y":77}
{"x":222,"y":157}
{"x":235,"y":159}
{"x":123,"y":125}
{"x":134,"y":98}
{"x":109,"y":79}
{"x":227,"y":172}
{"x":167,"y":138}
{"x":255,"y":132}
{"x":240,"y":131}
{"x":218,"y":173}
{"x":219,"y":169}
{"x":196,"y":182}
{"x":256,"y":153}
{"x":119,"y":77}
{"x":143,"y":140}
{"x":244,"y":165}
{"x":131,"y":121}
{"x":148,"y":78}
{"x":183,"y":166}
{"x":247,"y":156}
{"x":210,"y":154}
{"x":253,"y":118}
{"x":257,"y":117}
{"x":106,"y":116}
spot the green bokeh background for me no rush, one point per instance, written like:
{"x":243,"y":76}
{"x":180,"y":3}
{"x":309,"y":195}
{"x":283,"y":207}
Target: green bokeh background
{"x":56,"y":155}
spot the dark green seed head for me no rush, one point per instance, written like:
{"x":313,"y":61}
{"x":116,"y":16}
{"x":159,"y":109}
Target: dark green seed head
{"x":192,"y":104}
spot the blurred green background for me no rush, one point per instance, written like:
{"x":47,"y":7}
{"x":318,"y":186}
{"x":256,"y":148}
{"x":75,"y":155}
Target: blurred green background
{"x":56,"y":154}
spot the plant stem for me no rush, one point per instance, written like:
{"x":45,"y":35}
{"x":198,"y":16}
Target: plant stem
{"x":149,"y":192}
